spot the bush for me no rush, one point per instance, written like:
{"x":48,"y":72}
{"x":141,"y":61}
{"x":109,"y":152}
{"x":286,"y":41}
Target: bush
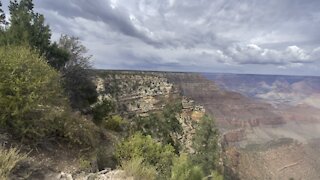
{"x":78,"y":83}
{"x":153,"y":153}
{"x":184,"y":169}
{"x":79,"y":87}
{"x":84,"y":164}
{"x":105,"y":157}
{"x":8,"y":160}
{"x":80,"y":131}
{"x":139,"y":170}
{"x":115,"y":123}
{"x":162,"y":126}
{"x":205,"y":144}
{"x":32,"y":104}
{"x":216,"y":175}
{"x":101,"y":110}
{"x":30,"y":94}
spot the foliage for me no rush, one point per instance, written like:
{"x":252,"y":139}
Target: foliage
{"x":32,"y":105}
{"x":2,"y":16}
{"x":216,"y":175}
{"x":78,"y":130}
{"x":56,"y":57}
{"x":84,"y":164}
{"x":184,"y":169}
{"x":105,"y":157}
{"x":79,"y":87}
{"x":205,"y":144}
{"x":28,"y":28}
{"x":115,"y":123}
{"x":77,"y":82}
{"x":30,"y":94}
{"x":153,"y":153}
{"x":161,"y":126}
{"x":139,"y":170}
{"x":8,"y":160}
{"x":101,"y":110}
{"x":76,"y":50}
{"x":112,"y":87}
{"x":169,"y":113}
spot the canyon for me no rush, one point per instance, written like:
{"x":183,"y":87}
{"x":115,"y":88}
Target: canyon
{"x":269,"y":125}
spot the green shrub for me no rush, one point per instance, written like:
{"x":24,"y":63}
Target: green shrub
{"x":80,"y":131}
{"x":30,"y":94}
{"x":101,"y":110}
{"x":153,"y":153}
{"x":139,"y":170}
{"x":8,"y":160}
{"x":205,"y":144}
{"x":79,"y":87}
{"x":216,"y":175}
{"x":184,"y":169}
{"x":32,"y":104}
{"x":84,"y":164}
{"x":115,"y":123}
{"x":162,"y":125}
{"x":105,"y":157}
{"x":77,"y":77}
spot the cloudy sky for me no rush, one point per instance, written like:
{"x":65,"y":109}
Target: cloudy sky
{"x":243,"y":36}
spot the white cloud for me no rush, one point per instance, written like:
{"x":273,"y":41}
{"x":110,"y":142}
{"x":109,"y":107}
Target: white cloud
{"x":297,"y":54}
{"x":212,"y":35}
{"x":254,"y":54}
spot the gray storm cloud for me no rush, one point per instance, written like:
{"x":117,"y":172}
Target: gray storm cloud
{"x":246,"y":36}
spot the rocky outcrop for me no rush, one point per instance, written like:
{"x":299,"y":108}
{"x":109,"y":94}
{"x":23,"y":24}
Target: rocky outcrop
{"x":142,"y":93}
{"x":135,"y":92}
{"x":190,"y":115}
{"x":102,"y":175}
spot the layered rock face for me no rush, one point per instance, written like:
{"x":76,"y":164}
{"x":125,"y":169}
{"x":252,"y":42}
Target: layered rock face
{"x":190,"y":115}
{"x":143,"y":93}
{"x":136,"y":92}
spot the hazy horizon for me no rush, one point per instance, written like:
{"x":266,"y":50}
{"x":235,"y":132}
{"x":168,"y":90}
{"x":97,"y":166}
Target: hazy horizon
{"x":177,"y":71}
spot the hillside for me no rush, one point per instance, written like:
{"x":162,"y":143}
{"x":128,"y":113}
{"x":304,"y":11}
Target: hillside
{"x":144,"y":102}
{"x":257,"y":139}
{"x":247,"y":122}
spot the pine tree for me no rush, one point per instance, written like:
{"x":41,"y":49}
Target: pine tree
{"x":28,"y":28}
{"x":20,"y":22}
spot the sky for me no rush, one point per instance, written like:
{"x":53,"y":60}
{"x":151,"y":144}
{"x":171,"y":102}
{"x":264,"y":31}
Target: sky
{"x":242,"y":36}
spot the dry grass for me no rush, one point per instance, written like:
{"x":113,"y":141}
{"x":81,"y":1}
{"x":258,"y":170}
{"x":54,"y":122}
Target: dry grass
{"x":9,"y":159}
